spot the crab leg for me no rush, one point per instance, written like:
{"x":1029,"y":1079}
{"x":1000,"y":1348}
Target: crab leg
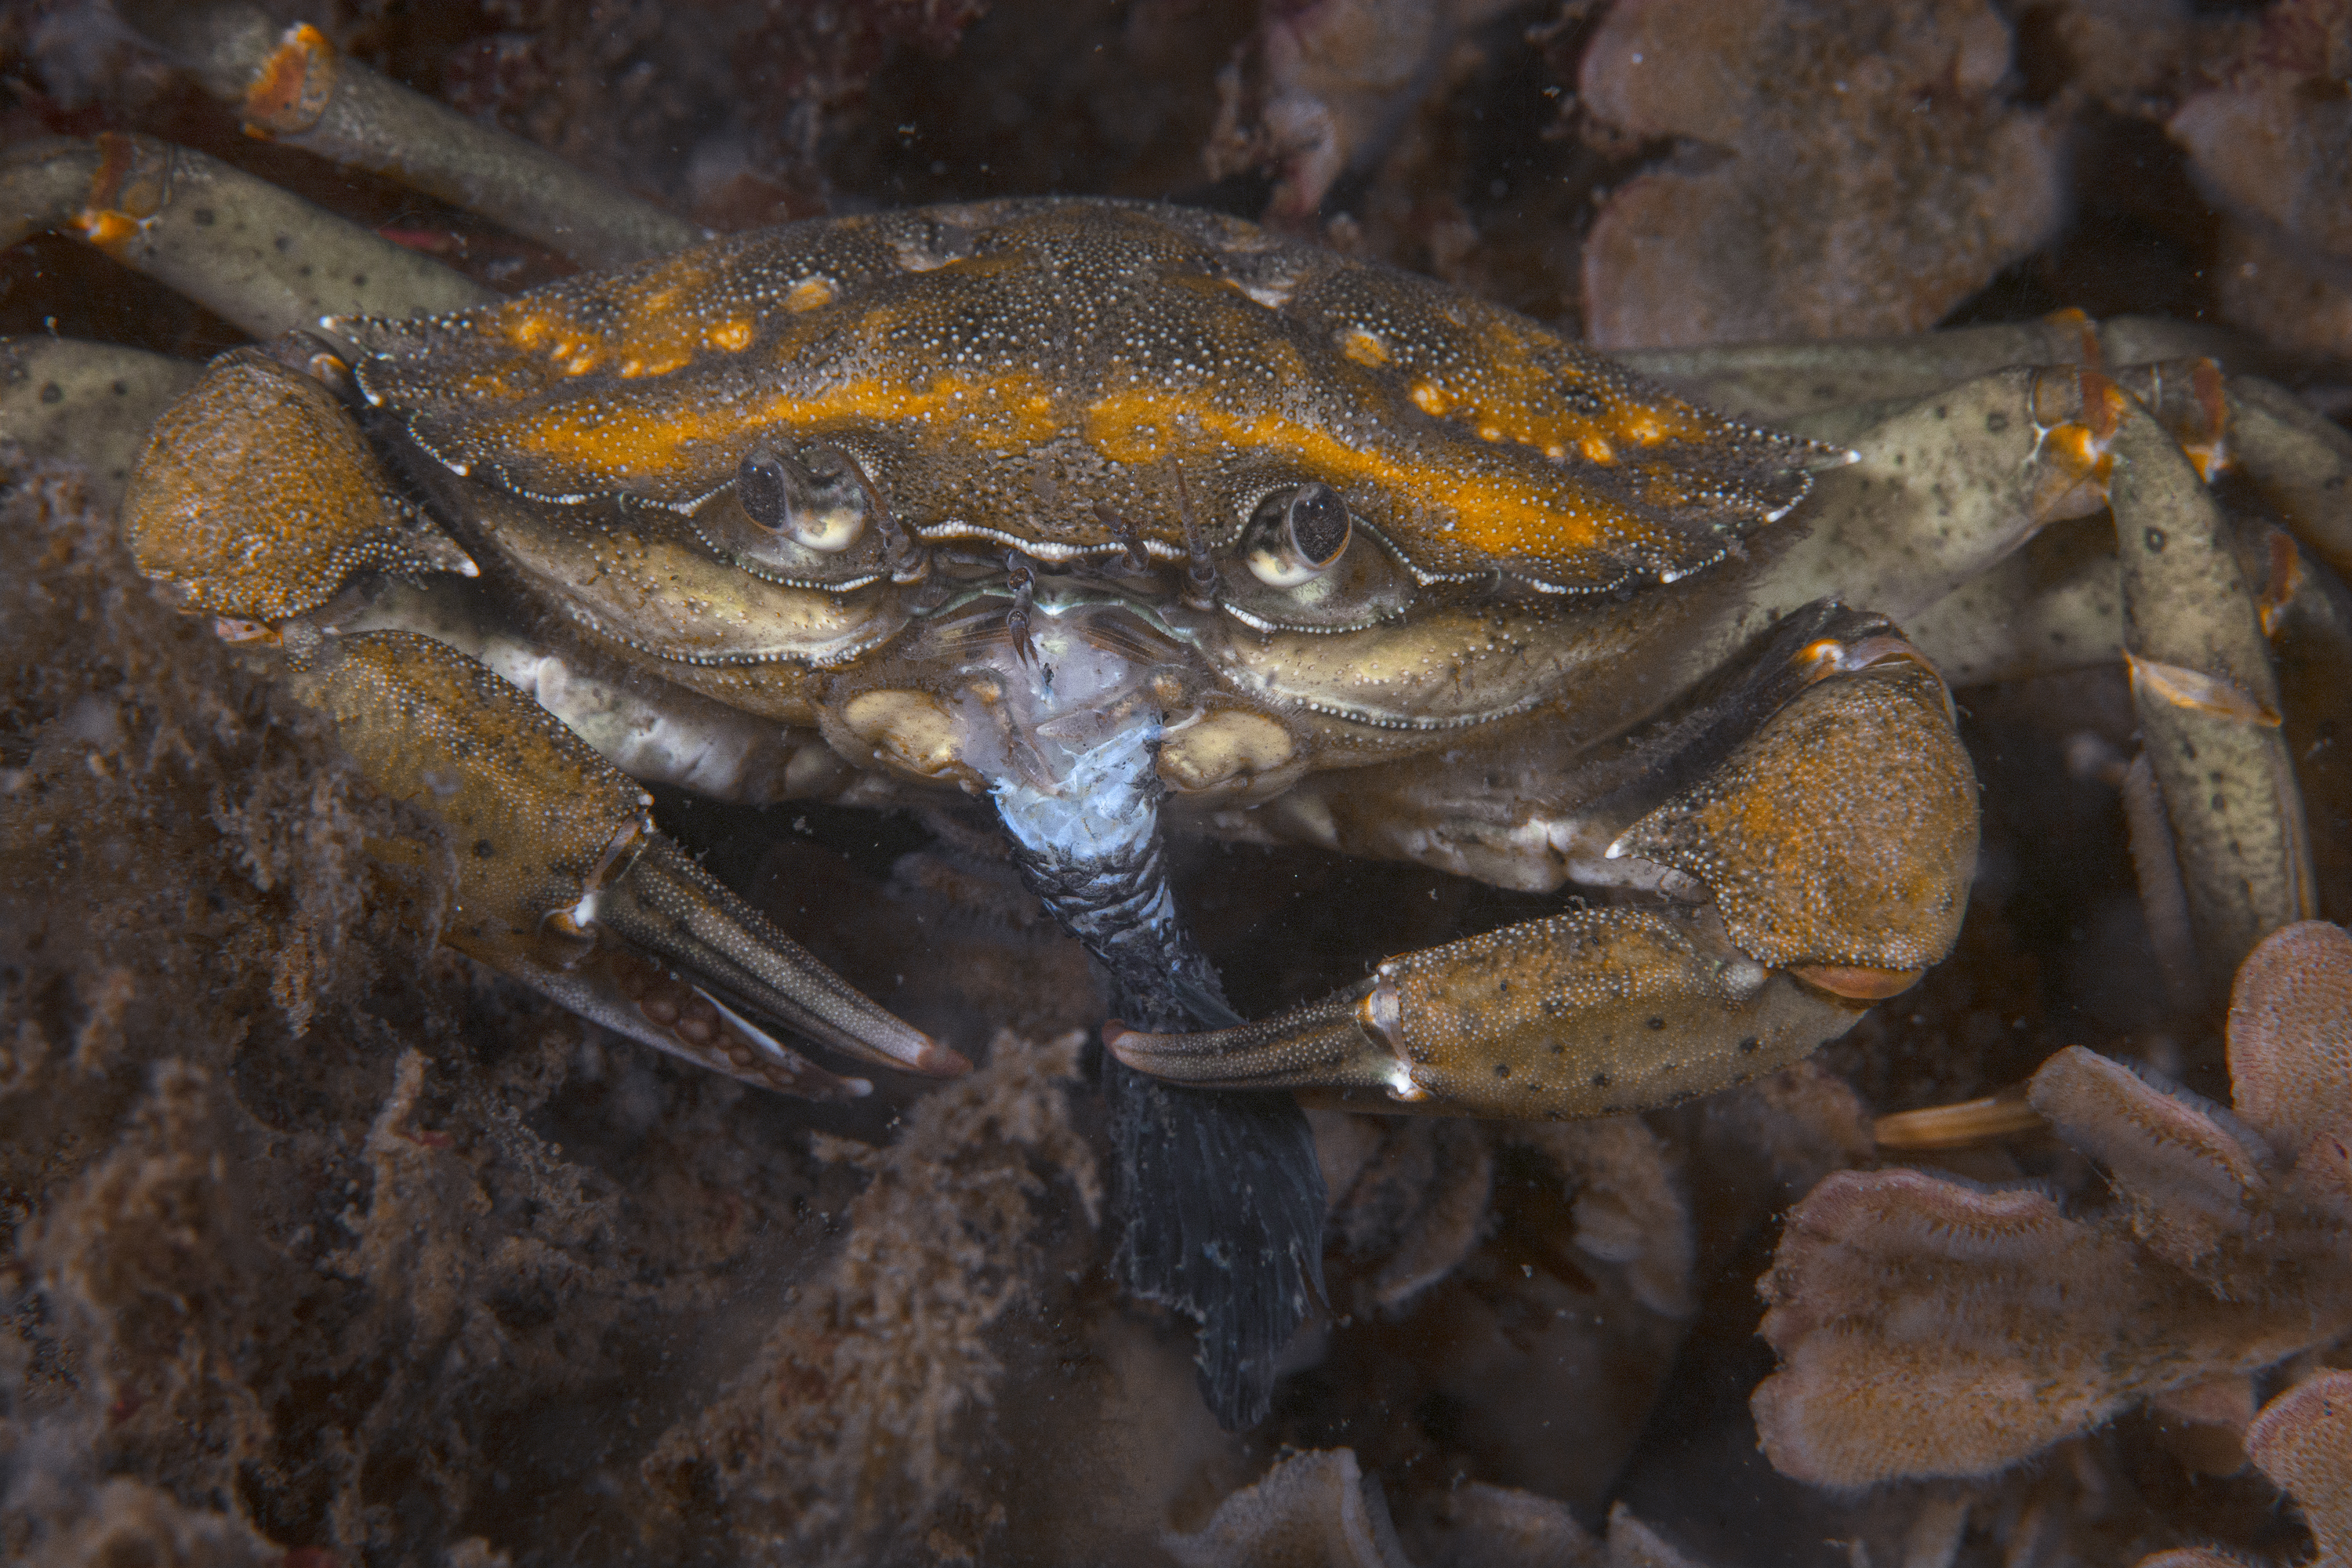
{"x":1837,"y":840}
{"x":293,"y":88}
{"x":666,"y":905}
{"x":1788,"y":384}
{"x":2040,"y":611}
{"x":2207,"y":699}
{"x":554,"y":850}
{"x":255,"y":501}
{"x":2301,"y":462}
{"x":1938,"y":494}
{"x":1592,"y":1012}
{"x":269,"y":261}
{"x":62,"y":397}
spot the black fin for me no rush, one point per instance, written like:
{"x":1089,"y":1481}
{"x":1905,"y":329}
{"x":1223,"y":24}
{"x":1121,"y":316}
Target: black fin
{"x":1223,"y":1207}
{"x":1219,"y":1196}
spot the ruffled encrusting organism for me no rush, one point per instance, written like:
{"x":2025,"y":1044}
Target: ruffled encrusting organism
{"x":1931,"y":1328}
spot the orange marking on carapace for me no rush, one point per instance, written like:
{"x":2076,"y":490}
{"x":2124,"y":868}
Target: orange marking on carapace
{"x":1494,"y":514}
{"x":1363,"y":347}
{"x":734,"y":337}
{"x":1512,"y":396}
{"x":808,"y":294}
{"x":633,"y":443}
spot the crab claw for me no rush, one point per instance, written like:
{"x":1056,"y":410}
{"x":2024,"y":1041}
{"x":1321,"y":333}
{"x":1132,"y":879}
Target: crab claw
{"x":1829,"y":813}
{"x":1590,"y":1013}
{"x":669,"y":907}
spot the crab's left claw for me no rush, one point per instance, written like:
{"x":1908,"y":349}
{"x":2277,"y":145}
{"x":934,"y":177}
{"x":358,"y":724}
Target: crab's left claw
{"x":563,"y":884}
{"x":1837,"y":840}
{"x":671,"y":908}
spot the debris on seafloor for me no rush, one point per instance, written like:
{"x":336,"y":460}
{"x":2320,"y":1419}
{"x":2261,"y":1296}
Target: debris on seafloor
{"x":1809,"y":197}
{"x":1535,"y":1278}
{"x":1322,"y":86}
{"x":2269,"y":139}
{"x":1410,"y":1198}
{"x":1928,"y":1328}
{"x":731,"y":114}
{"x":1319,"y":1510}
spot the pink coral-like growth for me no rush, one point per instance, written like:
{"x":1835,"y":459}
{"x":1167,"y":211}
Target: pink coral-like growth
{"x":1930,"y":1328}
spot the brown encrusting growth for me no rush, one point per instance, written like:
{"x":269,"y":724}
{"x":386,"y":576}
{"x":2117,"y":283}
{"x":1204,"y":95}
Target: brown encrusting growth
{"x":298,"y":1261}
{"x":858,"y":1429}
{"x":1928,"y":1328}
{"x":1814,"y":152}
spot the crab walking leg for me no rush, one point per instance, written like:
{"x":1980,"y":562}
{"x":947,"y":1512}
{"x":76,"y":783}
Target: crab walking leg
{"x":554,"y":850}
{"x":255,"y":500}
{"x":2030,"y":614}
{"x":2207,"y":699}
{"x":2300,"y":461}
{"x":1786,"y":383}
{"x":1837,"y":840}
{"x":2063,"y":608}
{"x":652,"y":731}
{"x":1223,"y":1197}
{"x":293,"y":87}
{"x":1936,"y":494}
{"x":269,"y":261}
{"x":91,"y":403}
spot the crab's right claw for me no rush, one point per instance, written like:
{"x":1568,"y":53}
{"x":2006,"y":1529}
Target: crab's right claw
{"x":672,"y":908}
{"x":1590,"y":1013}
{"x":1835,"y":834}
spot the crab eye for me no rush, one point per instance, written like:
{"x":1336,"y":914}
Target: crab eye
{"x":819,"y":504}
{"x":1297,"y":535}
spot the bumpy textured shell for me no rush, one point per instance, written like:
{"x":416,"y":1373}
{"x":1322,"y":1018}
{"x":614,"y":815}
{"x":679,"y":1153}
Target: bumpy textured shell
{"x":1006,"y":369}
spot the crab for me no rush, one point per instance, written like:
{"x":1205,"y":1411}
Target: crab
{"x":1109,"y":512}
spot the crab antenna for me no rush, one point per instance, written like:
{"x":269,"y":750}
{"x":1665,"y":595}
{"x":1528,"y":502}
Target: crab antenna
{"x":1137,"y":558}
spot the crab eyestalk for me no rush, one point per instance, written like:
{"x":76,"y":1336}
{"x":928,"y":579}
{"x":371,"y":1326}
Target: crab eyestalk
{"x":1222,"y":1199}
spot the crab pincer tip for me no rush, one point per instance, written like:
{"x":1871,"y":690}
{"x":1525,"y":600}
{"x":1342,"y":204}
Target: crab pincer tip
{"x":935,"y":1060}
